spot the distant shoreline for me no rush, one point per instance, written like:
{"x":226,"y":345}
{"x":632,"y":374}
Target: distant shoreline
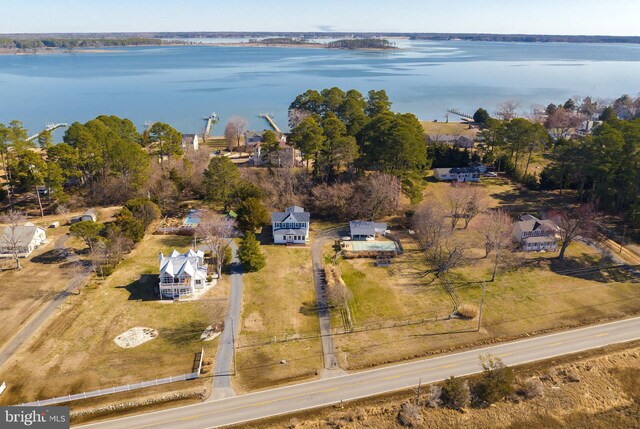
{"x":57,"y":51}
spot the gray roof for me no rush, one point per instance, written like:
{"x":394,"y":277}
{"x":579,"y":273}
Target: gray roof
{"x":297,"y":231}
{"x":291,"y":214}
{"x":368,"y":228}
{"x":540,"y":239}
{"x":457,"y":170}
{"x":22,"y":236}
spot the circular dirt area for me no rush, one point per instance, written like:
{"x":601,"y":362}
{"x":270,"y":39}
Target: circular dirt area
{"x":134,"y":337}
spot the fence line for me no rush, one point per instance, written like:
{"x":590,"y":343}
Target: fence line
{"x":341,"y":331}
{"x":112,"y":390}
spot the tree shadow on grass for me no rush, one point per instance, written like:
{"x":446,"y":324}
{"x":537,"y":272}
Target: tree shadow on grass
{"x":175,"y":241}
{"x":309,"y":308}
{"x":589,"y":267}
{"x":143,"y":289}
{"x":184,"y":334}
{"x":54,"y":256}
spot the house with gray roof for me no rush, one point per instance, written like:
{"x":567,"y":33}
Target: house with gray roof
{"x":366,"y":230}
{"x":536,"y":235}
{"x":21,"y":240}
{"x":457,"y":174}
{"x":290,"y":226}
{"x":184,"y":274}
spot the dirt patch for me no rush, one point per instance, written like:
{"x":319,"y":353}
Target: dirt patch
{"x":135,"y":337}
{"x":253,"y":323}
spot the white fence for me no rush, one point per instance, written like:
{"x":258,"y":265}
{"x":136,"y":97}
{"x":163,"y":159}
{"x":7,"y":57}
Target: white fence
{"x":112,"y":390}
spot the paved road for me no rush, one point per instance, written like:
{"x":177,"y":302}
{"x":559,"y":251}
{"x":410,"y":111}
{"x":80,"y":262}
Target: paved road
{"x":32,"y":325}
{"x":221,"y":387}
{"x":367,"y":383}
{"x":328,"y":350}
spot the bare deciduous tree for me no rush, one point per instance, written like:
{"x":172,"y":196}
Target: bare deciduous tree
{"x":428,"y":223}
{"x":213,"y":311}
{"x":497,"y":228}
{"x":456,"y":200}
{"x":574,"y":224}
{"x":296,"y":116}
{"x":507,"y":110}
{"x":216,"y":233}
{"x":377,"y":195}
{"x":476,"y":203}
{"x":12,"y":237}
{"x":464,"y":201}
{"x":444,"y":257}
{"x":235,"y":129}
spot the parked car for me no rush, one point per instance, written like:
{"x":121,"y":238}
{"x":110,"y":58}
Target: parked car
{"x":491,"y":174}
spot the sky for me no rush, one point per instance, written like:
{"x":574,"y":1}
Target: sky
{"x":585,"y":17}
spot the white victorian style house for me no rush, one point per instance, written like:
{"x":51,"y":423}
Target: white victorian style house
{"x":184,"y":275}
{"x":290,"y":226}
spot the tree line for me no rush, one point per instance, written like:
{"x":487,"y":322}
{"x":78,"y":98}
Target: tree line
{"x":70,"y":43}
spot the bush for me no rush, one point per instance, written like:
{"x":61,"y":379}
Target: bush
{"x":409,"y":415}
{"x":433,"y":398}
{"x":496,"y":382}
{"x":143,"y":209}
{"x":467,"y":311}
{"x":532,"y":388}
{"x":455,"y":393}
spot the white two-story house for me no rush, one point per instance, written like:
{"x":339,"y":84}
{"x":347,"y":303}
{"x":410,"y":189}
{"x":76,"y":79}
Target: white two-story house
{"x":290,"y":226}
{"x":535,"y":235}
{"x":184,"y":274}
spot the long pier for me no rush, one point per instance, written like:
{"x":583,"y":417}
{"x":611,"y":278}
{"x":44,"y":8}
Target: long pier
{"x":211,"y":121}
{"x":463,"y":115}
{"x":50,"y":127}
{"x":271,"y":122}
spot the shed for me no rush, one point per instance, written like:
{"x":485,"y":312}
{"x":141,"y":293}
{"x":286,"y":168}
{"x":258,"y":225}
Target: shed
{"x":90,"y":215}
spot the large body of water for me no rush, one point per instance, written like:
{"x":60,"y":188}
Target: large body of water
{"x":180,"y":84}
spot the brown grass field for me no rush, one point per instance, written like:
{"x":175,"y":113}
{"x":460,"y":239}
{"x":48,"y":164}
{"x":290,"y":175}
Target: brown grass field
{"x":76,"y":352}
{"x":279,"y":300}
{"x":533,"y":292}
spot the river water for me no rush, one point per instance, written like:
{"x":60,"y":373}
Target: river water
{"x":181,"y":84}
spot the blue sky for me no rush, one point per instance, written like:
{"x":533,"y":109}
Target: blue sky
{"x":603,"y":17}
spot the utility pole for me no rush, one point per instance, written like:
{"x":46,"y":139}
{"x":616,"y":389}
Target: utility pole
{"x":484,"y":287}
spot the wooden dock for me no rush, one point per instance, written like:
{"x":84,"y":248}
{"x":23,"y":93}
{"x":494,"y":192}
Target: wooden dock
{"x":465,"y":116}
{"x":271,"y":122}
{"x":211,"y":121}
{"x":49,"y":127}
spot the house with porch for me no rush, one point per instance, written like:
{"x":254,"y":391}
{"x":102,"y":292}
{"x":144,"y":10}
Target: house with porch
{"x":457,"y":174}
{"x":21,"y":240}
{"x":184,"y":274}
{"x":290,"y":226}
{"x":536,"y":235}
